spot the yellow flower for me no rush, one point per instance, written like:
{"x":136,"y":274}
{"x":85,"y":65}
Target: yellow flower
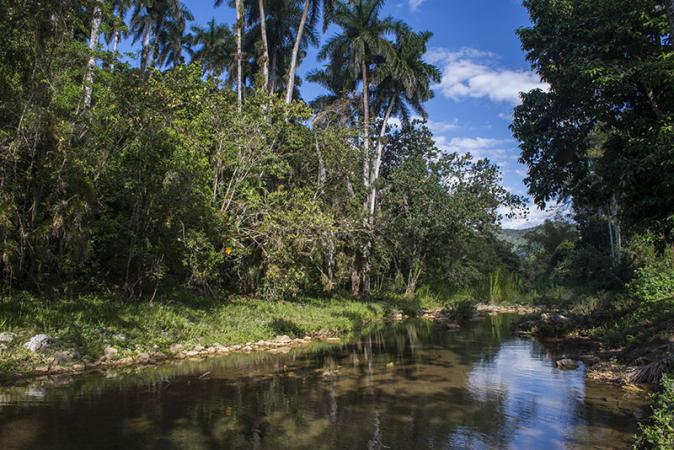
{"x":228,"y":250}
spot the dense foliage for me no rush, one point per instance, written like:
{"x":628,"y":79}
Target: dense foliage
{"x":171,"y":170}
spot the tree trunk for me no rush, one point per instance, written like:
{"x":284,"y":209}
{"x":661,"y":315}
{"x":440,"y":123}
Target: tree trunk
{"x":296,"y":51}
{"x":93,"y":46}
{"x":147,"y":44}
{"x":413,"y":278}
{"x":115,"y":49}
{"x":239,"y":54}
{"x":377,"y":163}
{"x":265,"y":44}
{"x":366,"y":179}
{"x":355,"y":276}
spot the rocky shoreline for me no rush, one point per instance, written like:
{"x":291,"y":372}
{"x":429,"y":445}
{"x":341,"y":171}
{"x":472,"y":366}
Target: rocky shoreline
{"x":56,"y":361}
{"x":68,"y":362}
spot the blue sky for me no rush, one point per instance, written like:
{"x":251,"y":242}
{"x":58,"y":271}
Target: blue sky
{"x":483,"y":66}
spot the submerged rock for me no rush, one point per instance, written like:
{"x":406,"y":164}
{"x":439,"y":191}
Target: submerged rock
{"x":453,"y":326}
{"x":567,"y":364}
{"x":37,"y":343}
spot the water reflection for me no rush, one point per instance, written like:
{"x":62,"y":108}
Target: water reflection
{"x":413,"y":385}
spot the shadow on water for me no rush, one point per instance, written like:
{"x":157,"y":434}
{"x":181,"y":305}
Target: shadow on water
{"x":412,"y":385}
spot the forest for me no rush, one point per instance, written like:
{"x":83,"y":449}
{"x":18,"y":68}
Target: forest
{"x":157,"y":166}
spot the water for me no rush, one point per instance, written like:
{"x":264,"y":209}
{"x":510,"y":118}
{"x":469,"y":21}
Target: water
{"x":411,"y":386}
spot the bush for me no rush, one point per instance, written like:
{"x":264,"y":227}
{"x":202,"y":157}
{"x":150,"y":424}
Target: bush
{"x":655,"y":281}
{"x":658,"y":433}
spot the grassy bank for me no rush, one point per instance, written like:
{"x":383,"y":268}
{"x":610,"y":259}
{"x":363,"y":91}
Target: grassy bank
{"x":85,"y":325}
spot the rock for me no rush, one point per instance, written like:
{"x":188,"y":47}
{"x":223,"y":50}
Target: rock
{"x":37,"y":343}
{"x":176,"y":348}
{"x":283,"y":338}
{"x":6,"y":337}
{"x":158,"y":356}
{"x":62,"y":358}
{"x":119,"y":337}
{"x":110,"y":352}
{"x":3,"y":347}
{"x":390,"y":364}
{"x":78,"y":367}
{"x":567,"y":364}
{"x":143,"y":358}
{"x":198,"y":348}
{"x":453,"y":326}
{"x":333,"y":339}
{"x":247,"y":348}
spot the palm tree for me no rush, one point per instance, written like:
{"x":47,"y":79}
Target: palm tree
{"x":361,"y":45}
{"x":238,"y":33}
{"x":216,"y":47}
{"x":156,"y":21}
{"x":172,"y":39}
{"x":310,"y":13}
{"x":403,"y":83}
{"x":283,"y":20}
{"x":117,"y":30}
{"x":356,"y":52}
{"x":96,"y":18}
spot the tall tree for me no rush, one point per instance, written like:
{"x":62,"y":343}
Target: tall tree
{"x":96,"y":17}
{"x":309,"y":13}
{"x":402,"y":83}
{"x":214,"y":47}
{"x":117,"y":30}
{"x":358,"y":49}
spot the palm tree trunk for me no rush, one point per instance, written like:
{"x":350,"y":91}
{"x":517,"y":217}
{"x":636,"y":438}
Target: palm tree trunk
{"x":296,"y":50}
{"x":147,"y":44}
{"x":265,"y":44}
{"x":93,"y":46}
{"x":366,"y":179}
{"x":115,"y":48}
{"x":377,"y":163}
{"x":239,"y":54}
{"x":366,"y":127}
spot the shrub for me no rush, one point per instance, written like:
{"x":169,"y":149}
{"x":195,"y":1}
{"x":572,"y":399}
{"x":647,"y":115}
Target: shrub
{"x":655,"y":281}
{"x":658,"y":433}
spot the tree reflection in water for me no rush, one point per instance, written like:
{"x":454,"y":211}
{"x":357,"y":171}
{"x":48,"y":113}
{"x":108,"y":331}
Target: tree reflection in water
{"x":411,"y":385}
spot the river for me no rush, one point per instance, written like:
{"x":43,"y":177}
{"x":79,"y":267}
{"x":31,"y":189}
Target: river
{"x":412,"y":385}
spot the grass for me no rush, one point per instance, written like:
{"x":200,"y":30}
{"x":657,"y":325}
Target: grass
{"x":89,"y":323}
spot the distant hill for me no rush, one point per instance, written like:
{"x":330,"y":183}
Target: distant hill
{"x":515,"y":237}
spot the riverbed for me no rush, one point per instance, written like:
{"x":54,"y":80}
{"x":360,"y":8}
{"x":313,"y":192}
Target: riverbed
{"x":411,"y":385}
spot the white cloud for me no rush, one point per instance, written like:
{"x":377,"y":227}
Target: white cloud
{"x":471,"y":73}
{"x":496,"y":150}
{"x":414,"y":4}
{"x":535,"y":217}
{"x":442,"y":126}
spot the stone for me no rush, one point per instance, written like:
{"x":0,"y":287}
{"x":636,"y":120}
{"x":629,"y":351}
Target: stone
{"x":567,"y":364}
{"x":453,"y":327}
{"x":119,"y":337}
{"x":62,"y":358}
{"x":6,"y":337}
{"x":78,"y":367}
{"x":37,"y":343}
{"x":198,"y":348}
{"x":143,"y":358}
{"x":3,"y":347}
{"x":333,"y":339}
{"x":110,"y":352}
{"x":283,"y":338}
{"x":390,"y":364}
{"x":176,"y":348}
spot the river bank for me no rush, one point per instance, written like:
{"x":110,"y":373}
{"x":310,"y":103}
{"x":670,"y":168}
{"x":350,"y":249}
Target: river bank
{"x":92,"y":333}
